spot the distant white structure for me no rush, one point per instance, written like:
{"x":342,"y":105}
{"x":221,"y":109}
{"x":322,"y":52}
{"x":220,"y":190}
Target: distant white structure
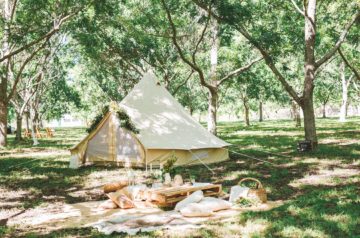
{"x":66,"y":120}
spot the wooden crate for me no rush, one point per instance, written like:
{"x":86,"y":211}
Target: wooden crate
{"x":171,"y":195}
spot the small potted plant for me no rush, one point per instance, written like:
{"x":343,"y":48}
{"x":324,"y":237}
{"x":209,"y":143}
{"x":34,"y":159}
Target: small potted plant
{"x":168,"y":169}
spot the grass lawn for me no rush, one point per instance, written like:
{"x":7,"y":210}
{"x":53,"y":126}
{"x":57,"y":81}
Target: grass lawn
{"x":321,"y":189}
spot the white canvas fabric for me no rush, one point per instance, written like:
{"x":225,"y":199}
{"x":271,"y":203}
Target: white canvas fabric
{"x":98,"y":147}
{"x":162,"y":121}
{"x":74,"y":162}
{"x":127,"y":148}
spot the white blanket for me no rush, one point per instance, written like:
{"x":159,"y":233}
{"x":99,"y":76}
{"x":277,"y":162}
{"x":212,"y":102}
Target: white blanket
{"x":132,"y":224}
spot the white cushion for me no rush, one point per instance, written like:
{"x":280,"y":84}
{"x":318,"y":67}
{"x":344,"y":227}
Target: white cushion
{"x":195,"y":210}
{"x":237,"y":192}
{"x":214,"y":204}
{"x":108,"y":204}
{"x":193,"y":198}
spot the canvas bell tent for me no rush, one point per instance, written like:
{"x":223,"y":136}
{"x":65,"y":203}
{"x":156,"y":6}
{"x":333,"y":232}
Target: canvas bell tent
{"x":164,"y":129}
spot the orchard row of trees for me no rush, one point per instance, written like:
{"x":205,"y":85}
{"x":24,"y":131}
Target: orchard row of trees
{"x":60,"y":56}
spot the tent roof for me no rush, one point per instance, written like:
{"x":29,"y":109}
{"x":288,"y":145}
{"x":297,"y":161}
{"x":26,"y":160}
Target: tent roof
{"x":162,"y":121}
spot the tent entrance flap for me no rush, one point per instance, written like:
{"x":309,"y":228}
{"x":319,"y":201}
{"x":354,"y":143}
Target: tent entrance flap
{"x":112,"y":143}
{"x":128,"y":149}
{"x":98,"y":148}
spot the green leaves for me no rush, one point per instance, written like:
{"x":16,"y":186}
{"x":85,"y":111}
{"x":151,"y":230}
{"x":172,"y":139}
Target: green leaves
{"x":125,"y":121}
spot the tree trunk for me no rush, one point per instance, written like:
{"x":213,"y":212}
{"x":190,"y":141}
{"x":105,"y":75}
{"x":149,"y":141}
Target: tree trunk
{"x":3,"y":122}
{"x":27,"y":120}
{"x":33,"y":120}
{"x":342,"y":117}
{"x":246,"y":111}
{"x":309,"y":121}
{"x":212,"y":110}
{"x":307,"y":103}
{"x":18,"y":126}
{"x":296,"y":113}
{"x":36,"y":119}
{"x":261,"y":112}
{"x":213,"y":93}
{"x":27,"y":115}
{"x":5,"y":49}
{"x":324,"y":110}
{"x":347,"y":108}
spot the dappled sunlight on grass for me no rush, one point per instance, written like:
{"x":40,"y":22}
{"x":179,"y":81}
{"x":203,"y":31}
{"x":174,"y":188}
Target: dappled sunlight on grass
{"x":321,"y":188}
{"x":325,"y":177}
{"x":292,"y":231}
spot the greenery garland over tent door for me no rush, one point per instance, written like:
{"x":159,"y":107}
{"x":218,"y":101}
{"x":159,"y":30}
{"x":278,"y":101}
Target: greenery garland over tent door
{"x":123,"y":117}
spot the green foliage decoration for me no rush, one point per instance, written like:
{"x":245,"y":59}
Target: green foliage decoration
{"x":95,"y":122}
{"x":124,"y":119}
{"x":169,"y":164}
{"x":126,"y":122}
{"x":246,"y":202}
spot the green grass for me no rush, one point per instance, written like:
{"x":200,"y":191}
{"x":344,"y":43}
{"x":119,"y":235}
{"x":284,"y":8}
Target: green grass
{"x":321,"y":188}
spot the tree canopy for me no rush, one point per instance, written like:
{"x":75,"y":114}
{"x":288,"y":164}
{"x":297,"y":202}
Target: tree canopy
{"x":215,"y":57}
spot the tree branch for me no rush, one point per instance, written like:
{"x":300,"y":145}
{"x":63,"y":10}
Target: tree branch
{"x":297,"y":8}
{"x":264,"y":53}
{"x":13,"y":10}
{"x":341,"y":39}
{"x":319,"y":70}
{"x":55,"y":29}
{"x":239,"y":71}
{"x":22,"y":67}
{"x":193,"y":65}
{"x":349,"y":65}
{"x":183,"y":83}
{"x":200,"y":39}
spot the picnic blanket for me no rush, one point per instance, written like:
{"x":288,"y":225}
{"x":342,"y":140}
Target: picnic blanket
{"x":132,"y":223}
{"x":139,"y":219}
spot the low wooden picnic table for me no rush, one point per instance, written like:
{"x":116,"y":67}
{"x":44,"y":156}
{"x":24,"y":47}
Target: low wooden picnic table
{"x":168,"y":196}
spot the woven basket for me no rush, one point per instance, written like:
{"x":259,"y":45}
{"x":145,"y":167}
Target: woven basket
{"x":258,"y":193}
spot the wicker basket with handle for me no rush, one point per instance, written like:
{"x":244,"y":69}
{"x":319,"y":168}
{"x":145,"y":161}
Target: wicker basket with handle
{"x":258,"y":192}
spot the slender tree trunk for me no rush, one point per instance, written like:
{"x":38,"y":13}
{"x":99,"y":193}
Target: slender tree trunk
{"x":261,"y":111}
{"x":27,"y":120}
{"x":213,"y":93}
{"x":309,"y":121}
{"x":296,"y":113}
{"x":347,"y":108}
{"x":307,"y":103}
{"x":212,"y":110}
{"x":342,"y":117}
{"x":4,"y":74}
{"x":33,"y":126}
{"x":18,"y":126}
{"x":37,"y":119}
{"x":324,"y":110}
{"x":3,"y":122}
{"x":246,"y":111}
